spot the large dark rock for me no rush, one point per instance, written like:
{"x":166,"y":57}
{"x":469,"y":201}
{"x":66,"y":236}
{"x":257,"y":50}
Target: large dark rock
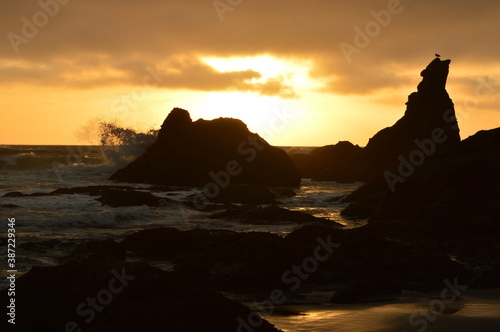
{"x":463,"y":180}
{"x":430,"y":115}
{"x":162,"y":242}
{"x":237,"y":260}
{"x":366,"y":256}
{"x":97,"y":251}
{"x":222,"y":258}
{"x":225,"y":259}
{"x":456,"y":187}
{"x":330,"y":163}
{"x":212,"y":153}
{"x":428,"y":128}
{"x":120,"y":297}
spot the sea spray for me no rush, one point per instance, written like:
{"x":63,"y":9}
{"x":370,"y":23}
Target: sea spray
{"x":119,"y":145}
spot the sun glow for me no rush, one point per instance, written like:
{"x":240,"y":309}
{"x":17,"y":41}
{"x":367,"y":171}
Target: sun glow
{"x":263,"y":114}
{"x":293,"y":71}
{"x":259,"y":113}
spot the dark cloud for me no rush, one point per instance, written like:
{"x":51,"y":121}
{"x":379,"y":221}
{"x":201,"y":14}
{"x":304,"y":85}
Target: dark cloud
{"x":120,"y":39}
{"x":177,"y":73}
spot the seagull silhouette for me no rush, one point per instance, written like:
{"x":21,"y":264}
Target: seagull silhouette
{"x":437,"y":55}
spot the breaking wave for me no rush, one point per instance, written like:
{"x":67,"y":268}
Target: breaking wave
{"x":116,"y":146}
{"x":122,"y":145}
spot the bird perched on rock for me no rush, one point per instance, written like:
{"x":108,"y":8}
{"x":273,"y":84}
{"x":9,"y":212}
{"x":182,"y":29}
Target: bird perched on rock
{"x":437,"y":55}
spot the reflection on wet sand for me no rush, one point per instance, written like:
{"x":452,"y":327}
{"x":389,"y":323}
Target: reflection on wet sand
{"x":477,"y":310}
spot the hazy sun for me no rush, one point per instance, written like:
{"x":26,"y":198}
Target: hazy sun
{"x":256,"y":111}
{"x":259,"y":112}
{"x":275,"y":118}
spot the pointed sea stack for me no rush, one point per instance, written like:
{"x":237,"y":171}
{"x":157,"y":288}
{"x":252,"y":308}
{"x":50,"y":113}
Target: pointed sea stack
{"x":429,"y":115}
{"x":219,"y":151}
{"x":428,"y":127}
{"x":429,"y":112}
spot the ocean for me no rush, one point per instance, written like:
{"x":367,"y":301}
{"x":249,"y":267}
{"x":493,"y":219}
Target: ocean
{"x":48,"y":227}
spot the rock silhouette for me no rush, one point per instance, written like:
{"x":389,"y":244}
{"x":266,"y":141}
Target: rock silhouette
{"x":330,"y":162}
{"x":219,"y":151}
{"x":458,"y":187}
{"x":429,"y":111}
{"x":136,"y":297}
{"x":457,"y":184}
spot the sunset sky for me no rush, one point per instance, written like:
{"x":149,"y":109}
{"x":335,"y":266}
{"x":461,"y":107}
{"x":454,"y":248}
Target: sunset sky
{"x":297,"y":72}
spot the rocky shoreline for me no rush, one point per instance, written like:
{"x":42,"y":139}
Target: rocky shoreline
{"x":356,"y":265}
{"x":432,"y":204}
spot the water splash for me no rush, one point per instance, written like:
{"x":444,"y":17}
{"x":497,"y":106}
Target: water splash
{"x":119,"y":144}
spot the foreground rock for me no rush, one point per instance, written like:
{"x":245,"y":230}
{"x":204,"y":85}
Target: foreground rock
{"x":98,"y":251}
{"x":120,"y":297}
{"x":232,"y":260}
{"x":166,"y":243}
{"x":379,"y":259}
{"x":209,"y":153}
{"x":224,"y":259}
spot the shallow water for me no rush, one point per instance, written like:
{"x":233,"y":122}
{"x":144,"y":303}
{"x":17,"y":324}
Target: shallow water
{"x":70,"y":218}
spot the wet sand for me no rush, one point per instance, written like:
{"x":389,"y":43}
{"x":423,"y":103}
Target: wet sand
{"x":474,"y":310}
